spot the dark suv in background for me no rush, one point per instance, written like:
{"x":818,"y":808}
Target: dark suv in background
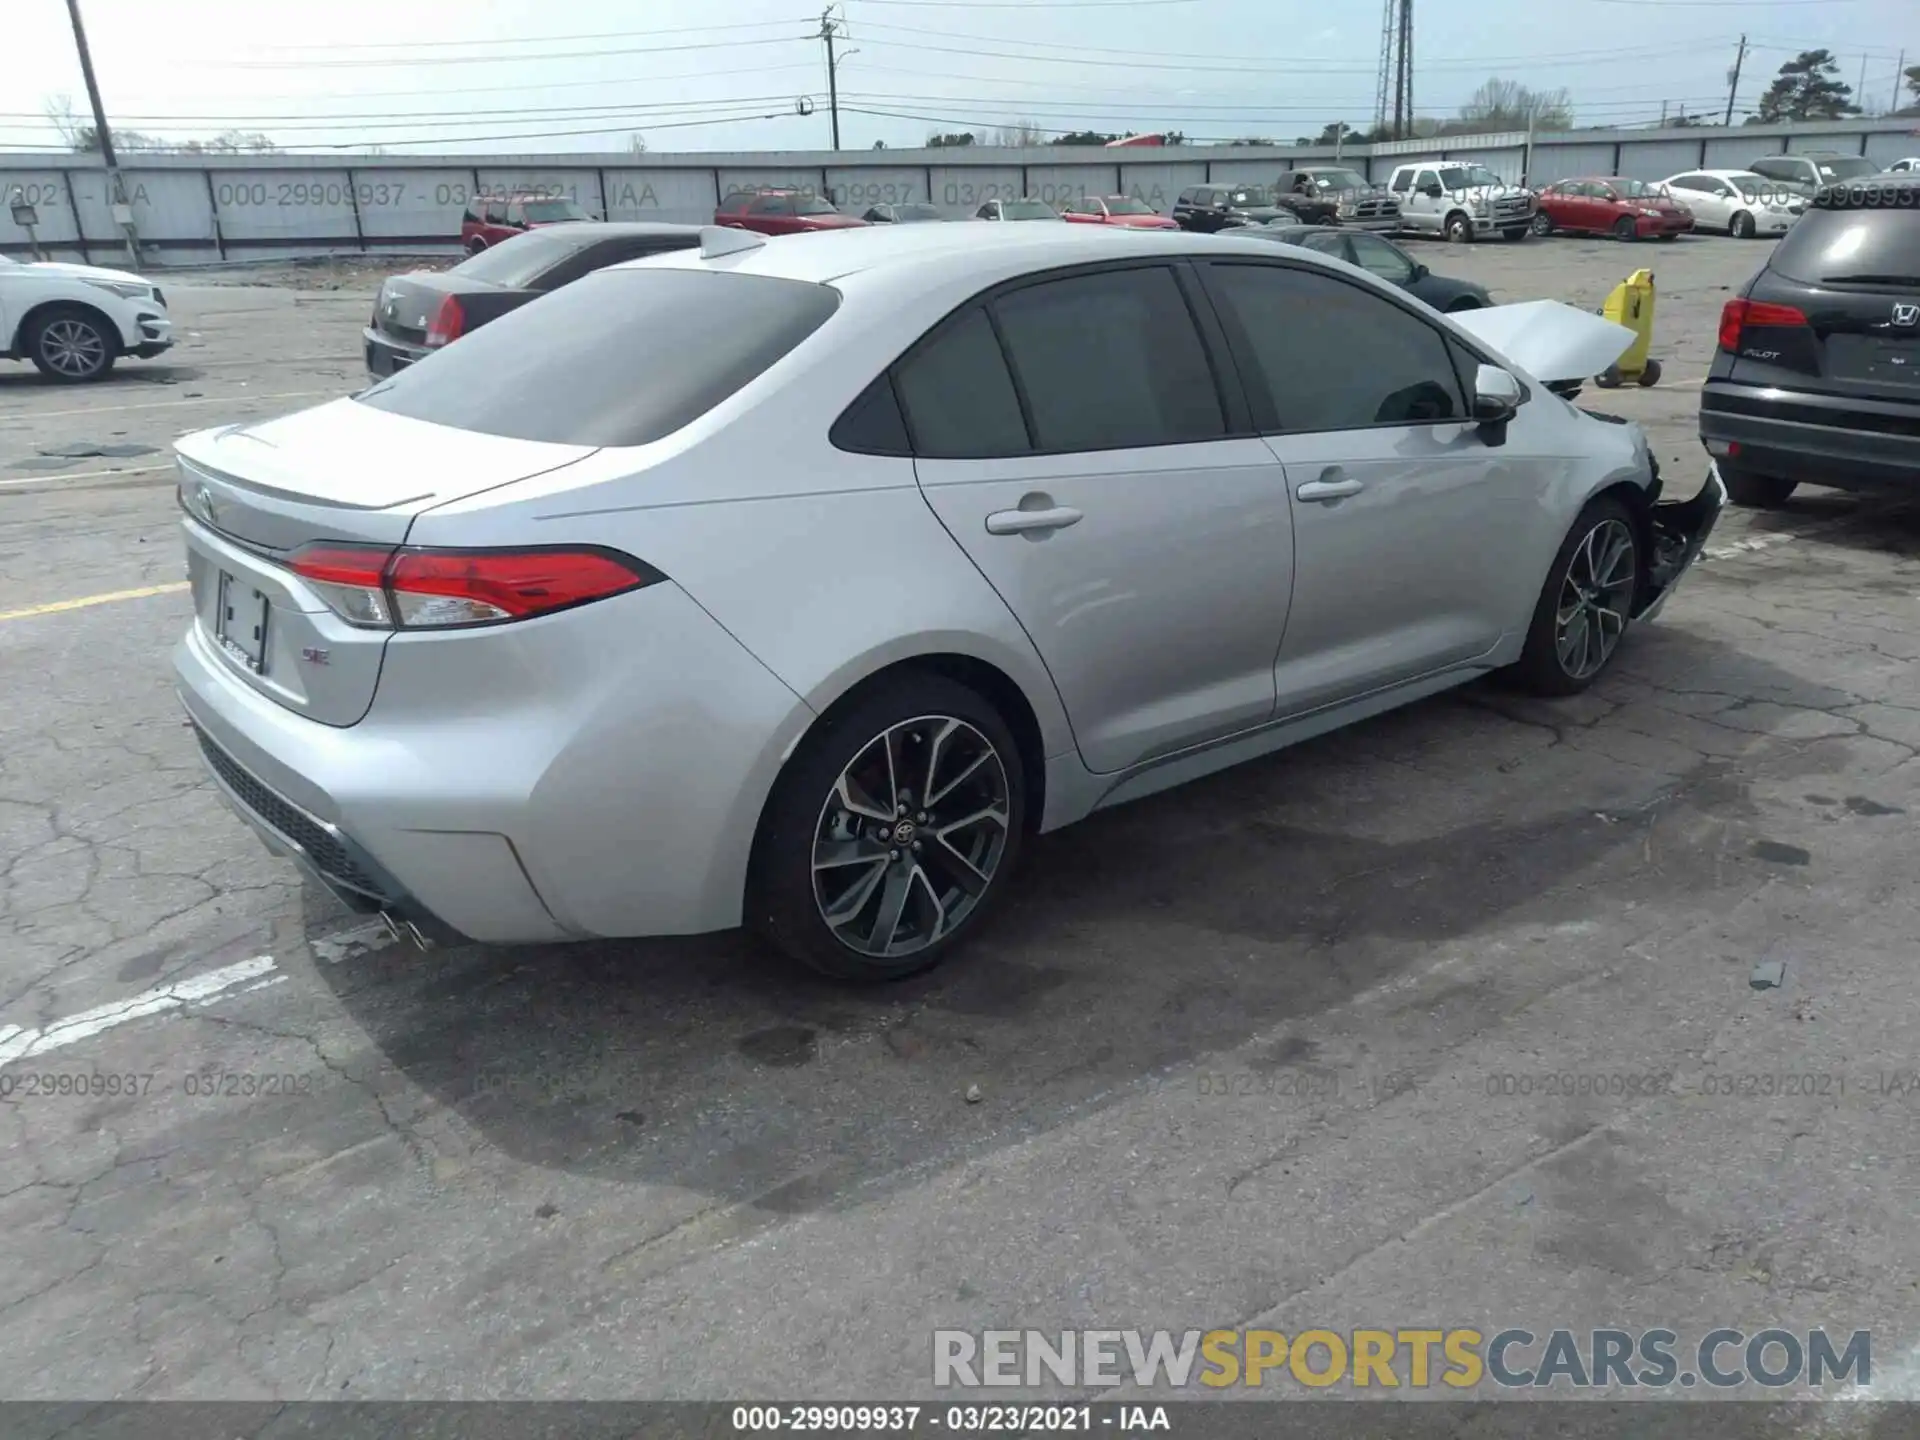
{"x":1209,"y":208}
{"x":1817,"y":377}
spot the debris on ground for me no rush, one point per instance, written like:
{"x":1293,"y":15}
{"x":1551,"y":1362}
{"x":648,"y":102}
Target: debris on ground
{"x":1768,"y":974}
{"x":974,"y":1097}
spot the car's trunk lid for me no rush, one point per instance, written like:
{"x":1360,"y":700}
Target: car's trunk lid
{"x":407,"y":304}
{"x":344,"y":473}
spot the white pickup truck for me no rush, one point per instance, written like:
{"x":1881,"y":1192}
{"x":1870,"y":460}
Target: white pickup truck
{"x":1460,"y":201}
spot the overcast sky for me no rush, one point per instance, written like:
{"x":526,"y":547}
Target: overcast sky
{"x":469,"y":76}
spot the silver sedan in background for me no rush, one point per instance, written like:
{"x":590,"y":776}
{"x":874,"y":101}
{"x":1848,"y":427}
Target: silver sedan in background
{"x":938,"y":537}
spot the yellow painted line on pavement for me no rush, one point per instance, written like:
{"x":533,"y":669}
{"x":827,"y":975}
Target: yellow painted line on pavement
{"x":58,"y":606}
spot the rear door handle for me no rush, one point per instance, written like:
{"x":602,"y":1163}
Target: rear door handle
{"x":1021,"y":522}
{"x":1332,"y":485}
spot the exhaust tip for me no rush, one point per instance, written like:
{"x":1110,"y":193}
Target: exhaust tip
{"x":401,"y":929}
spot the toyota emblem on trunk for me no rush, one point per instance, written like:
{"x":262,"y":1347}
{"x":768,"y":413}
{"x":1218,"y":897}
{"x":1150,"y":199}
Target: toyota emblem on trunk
{"x":1906,"y":315}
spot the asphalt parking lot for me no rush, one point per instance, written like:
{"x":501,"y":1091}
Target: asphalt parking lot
{"x":1279,"y":1048}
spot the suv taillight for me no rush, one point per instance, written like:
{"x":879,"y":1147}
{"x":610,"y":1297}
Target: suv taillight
{"x":421,"y":589}
{"x":1737,"y":315}
{"x":448,"y":321}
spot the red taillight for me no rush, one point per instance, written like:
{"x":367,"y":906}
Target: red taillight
{"x":448,"y":321}
{"x":425,"y":589}
{"x":1737,"y":315}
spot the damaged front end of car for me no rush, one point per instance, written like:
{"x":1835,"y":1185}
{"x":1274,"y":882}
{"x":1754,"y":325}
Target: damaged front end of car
{"x":1680,"y":530}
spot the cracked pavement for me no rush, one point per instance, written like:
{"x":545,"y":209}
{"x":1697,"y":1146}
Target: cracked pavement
{"x":1272,"y":1049}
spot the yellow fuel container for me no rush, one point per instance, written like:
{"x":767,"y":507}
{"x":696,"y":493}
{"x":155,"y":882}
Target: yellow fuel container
{"x":1631,"y":304}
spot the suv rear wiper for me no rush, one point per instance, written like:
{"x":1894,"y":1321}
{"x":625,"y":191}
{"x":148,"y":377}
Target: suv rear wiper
{"x":1911,"y":282}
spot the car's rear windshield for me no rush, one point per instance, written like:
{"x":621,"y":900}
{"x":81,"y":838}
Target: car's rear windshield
{"x":1852,"y":247}
{"x":607,"y":360}
{"x":516,"y":262}
{"x":1127,"y":205}
{"x":920,"y":212}
{"x":1029,"y":210}
{"x":547,"y":211}
{"x":813,"y":205}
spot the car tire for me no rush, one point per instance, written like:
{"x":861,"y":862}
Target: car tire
{"x":1595,"y":573}
{"x":1741,"y":227}
{"x":1543,"y":224}
{"x":1624,"y":230}
{"x":1756,"y":492}
{"x":70,"y":344}
{"x":1462,"y":305}
{"x":476,"y":245}
{"x":1458,"y":229}
{"x":823,"y":823}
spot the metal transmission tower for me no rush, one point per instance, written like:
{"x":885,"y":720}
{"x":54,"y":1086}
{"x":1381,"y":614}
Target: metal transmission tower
{"x":1394,"y":106}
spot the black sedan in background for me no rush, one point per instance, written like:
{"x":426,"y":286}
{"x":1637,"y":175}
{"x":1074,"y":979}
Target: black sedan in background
{"x":416,"y":313}
{"x":1382,"y":257}
{"x":901,"y":214}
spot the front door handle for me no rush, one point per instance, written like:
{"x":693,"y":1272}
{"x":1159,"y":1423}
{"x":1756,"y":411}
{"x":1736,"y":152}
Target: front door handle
{"x":1333,"y":484}
{"x":1022,"y":522}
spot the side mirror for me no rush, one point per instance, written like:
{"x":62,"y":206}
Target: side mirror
{"x":1496,"y":395}
{"x":1420,"y":272}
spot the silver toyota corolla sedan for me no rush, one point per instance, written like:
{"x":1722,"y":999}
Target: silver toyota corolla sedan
{"x":795,"y":583}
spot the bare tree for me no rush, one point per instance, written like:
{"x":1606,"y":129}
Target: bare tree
{"x":1020,"y":133}
{"x":1509,"y":105}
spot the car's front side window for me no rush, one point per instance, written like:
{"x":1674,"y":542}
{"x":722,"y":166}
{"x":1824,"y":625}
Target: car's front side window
{"x":1326,"y":354}
{"x":1109,"y":360}
{"x":1373,"y":253}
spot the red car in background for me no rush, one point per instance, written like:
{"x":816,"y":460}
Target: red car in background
{"x":1122,"y":210}
{"x":489,"y":220}
{"x":781,"y":212}
{"x":1610,"y":205}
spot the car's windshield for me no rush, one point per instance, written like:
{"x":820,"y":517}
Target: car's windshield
{"x":1250,"y":195}
{"x":1632,"y":189}
{"x":1127,"y":205}
{"x":1028,"y":210}
{"x":812,"y":205}
{"x":1338,"y":179}
{"x":1748,"y":183}
{"x":547,"y":211}
{"x":919,"y":212}
{"x":1846,"y":167}
{"x":1466,"y":177}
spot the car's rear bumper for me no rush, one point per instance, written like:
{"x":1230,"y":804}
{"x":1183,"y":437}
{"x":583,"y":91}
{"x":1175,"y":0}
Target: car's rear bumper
{"x":1816,"y":439}
{"x":385,"y":354}
{"x":593,"y":773}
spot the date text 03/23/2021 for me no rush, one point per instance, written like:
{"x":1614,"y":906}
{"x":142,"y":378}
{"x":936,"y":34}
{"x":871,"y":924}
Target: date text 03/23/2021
{"x":952,"y":1419}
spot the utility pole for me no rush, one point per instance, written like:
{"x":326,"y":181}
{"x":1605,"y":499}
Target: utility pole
{"x":1663,"y":113}
{"x":116,"y":189}
{"x":1860,"y":90}
{"x":1733,"y":80}
{"x":828,"y":29}
{"x":1899,"y":78}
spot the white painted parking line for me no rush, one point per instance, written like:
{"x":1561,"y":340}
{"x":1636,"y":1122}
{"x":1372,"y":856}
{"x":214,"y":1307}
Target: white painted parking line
{"x":54,"y":477}
{"x":171,"y":404}
{"x":19,"y":1043}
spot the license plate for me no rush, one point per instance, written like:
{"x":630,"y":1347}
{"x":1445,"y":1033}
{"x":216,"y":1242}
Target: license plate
{"x":1870,"y":358}
{"x":240,"y":622}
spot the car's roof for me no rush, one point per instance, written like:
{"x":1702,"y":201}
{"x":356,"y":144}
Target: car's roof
{"x":955,"y":253}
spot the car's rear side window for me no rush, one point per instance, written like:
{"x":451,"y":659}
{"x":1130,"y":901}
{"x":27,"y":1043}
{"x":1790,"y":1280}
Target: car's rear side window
{"x":959,"y":398}
{"x":1835,"y":247}
{"x":600,"y":362}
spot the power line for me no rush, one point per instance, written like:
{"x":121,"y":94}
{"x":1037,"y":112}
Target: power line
{"x":1318,"y":62}
{"x":411,"y":61}
{"x":418,"y":45}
